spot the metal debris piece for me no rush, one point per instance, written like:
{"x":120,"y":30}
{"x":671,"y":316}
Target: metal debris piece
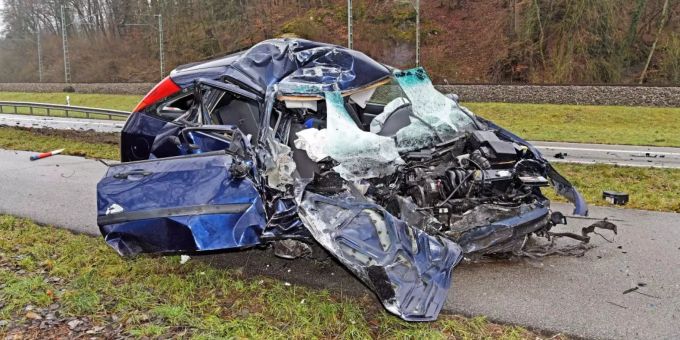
{"x":630,"y":290}
{"x":615,"y":197}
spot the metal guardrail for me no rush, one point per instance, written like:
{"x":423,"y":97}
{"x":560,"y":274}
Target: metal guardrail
{"x":54,"y":109}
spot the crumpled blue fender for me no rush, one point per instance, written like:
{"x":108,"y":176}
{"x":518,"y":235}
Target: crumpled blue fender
{"x":409,"y":270}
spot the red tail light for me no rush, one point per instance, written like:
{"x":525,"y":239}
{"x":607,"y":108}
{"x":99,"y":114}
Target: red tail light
{"x":165,"y":88}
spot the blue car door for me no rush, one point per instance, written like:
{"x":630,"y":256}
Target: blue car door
{"x":192,"y":203}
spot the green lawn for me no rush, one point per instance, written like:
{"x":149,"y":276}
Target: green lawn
{"x":586,"y":123}
{"x":46,"y":270}
{"x":649,"y":189}
{"x":103,"y":101}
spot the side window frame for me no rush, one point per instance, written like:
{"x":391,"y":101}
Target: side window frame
{"x":214,"y":91}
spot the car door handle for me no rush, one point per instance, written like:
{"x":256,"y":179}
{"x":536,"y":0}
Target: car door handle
{"x":133,"y":174}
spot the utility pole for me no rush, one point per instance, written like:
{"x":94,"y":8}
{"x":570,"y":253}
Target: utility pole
{"x":160,"y":43}
{"x":159,"y":28}
{"x":40,"y":66}
{"x":350,"y":35}
{"x":64,"y":46}
{"x":417,"y":33}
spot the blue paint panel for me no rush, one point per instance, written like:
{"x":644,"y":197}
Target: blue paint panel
{"x":176,"y":183}
{"x":408,"y":269}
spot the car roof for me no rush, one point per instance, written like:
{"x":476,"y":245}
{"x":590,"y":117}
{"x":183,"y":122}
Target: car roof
{"x":296,"y":66}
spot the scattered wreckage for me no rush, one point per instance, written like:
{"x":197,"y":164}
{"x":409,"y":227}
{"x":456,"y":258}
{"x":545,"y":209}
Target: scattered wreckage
{"x":294,"y":142}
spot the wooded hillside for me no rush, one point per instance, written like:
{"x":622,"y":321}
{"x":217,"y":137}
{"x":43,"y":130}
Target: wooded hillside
{"x":518,"y":41}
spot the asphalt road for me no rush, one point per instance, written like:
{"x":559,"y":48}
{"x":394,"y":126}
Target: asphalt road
{"x":626,"y":155}
{"x":582,"y":296}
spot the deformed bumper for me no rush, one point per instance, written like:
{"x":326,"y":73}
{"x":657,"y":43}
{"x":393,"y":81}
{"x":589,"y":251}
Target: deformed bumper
{"x":504,"y":235}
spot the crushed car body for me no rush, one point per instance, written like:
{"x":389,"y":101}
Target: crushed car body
{"x":295,"y":142}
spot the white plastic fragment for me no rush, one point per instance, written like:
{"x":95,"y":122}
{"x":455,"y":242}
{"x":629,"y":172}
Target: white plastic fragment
{"x":184,"y":259}
{"x":313,"y":141}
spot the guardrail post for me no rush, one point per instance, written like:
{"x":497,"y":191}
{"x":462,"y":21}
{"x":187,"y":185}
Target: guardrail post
{"x":66,"y":112}
{"x":87,"y":114}
{"x":30,"y":109}
{"x":48,"y":111}
{"x":1,"y":109}
{"x":15,"y":110}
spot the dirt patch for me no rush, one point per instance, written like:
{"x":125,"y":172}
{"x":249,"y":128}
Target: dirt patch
{"x":112,"y":138}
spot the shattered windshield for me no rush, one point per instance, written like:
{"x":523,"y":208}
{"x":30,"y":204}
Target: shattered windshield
{"x":434,"y":117}
{"x":413,"y":115}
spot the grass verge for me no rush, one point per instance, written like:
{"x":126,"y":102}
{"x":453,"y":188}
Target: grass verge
{"x":586,"y":123}
{"x":75,"y":143}
{"x":649,"y":188}
{"x":74,"y":284}
{"x":103,"y":101}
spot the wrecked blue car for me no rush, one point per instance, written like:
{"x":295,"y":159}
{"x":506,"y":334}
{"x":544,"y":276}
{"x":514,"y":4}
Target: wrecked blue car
{"x":294,"y":143}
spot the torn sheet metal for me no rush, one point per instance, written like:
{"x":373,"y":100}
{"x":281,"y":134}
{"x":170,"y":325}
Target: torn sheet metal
{"x":408,"y":269}
{"x":280,"y":166}
{"x":177,"y":205}
{"x":505,"y":234}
